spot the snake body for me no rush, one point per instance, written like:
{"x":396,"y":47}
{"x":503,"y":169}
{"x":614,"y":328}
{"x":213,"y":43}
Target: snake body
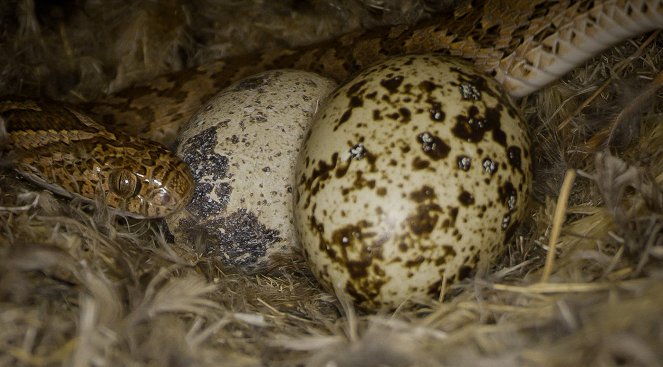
{"x":65,"y":150}
{"x":524,"y":44}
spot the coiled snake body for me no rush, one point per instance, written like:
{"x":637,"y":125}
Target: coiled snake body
{"x":523,"y":44}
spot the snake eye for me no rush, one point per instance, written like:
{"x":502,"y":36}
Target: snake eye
{"x":124,"y":183}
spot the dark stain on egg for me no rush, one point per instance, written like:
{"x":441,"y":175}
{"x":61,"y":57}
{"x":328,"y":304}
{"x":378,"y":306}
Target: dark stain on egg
{"x":199,"y":154}
{"x":240,"y":236}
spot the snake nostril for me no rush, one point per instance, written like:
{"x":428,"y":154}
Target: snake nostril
{"x":162,"y":197}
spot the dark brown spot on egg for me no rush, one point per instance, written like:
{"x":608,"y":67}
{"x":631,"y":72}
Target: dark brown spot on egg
{"x":355,"y":101}
{"x":451,"y":220}
{"x":489,"y":166}
{"x":357,"y":296}
{"x":464,"y":271}
{"x":472,"y":127}
{"x":360,"y":182}
{"x":427,"y":86}
{"x":506,"y":219}
{"x":465,"y":198}
{"x":433,"y":146}
{"x":355,"y":88}
{"x":469,"y":91}
{"x":392,"y":84}
{"x":424,"y":220}
{"x":449,"y":254}
{"x":435,"y":289}
{"x":423,"y":194}
{"x":464,"y":162}
{"x":415,"y":263}
{"x":479,"y":83}
{"x":436,"y":112}
{"x":513,"y":154}
{"x":419,"y":164}
{"x":320,"y":174}
{"x":508,"y":195}
{"x":494,"y":118}
{"x":406,"y":115}
{"x":344,"y":118}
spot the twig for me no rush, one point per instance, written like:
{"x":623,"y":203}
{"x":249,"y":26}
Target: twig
{"x":558,"y":221}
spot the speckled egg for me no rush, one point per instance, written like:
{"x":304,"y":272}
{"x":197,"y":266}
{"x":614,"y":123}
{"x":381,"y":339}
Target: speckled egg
{"x":242,"y":146}
{"x":414,"y":172}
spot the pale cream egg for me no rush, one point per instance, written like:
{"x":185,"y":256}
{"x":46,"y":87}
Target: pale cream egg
{"x":242,"y":146}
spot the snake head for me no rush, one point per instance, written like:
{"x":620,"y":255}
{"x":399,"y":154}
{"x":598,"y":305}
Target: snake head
{"x":66,"y":151}
{"x":143,"y":179}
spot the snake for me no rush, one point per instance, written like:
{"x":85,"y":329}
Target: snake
{"x":66,"y":151}
{"x":523,"y":44}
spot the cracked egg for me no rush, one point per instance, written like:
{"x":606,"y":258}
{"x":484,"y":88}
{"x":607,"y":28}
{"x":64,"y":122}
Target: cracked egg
{"x":242,"y":146}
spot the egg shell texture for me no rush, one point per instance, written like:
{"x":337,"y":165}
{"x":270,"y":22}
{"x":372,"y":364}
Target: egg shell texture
{"x":416,"y":170}
{"x":242,"y":147}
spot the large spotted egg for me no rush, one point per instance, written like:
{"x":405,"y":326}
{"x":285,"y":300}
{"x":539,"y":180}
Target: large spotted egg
{"x":242,"y":146}
{"x":413,"y":173}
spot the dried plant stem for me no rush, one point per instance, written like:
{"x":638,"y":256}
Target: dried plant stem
{"x":558,"y":220}
{"x":551,"y":288}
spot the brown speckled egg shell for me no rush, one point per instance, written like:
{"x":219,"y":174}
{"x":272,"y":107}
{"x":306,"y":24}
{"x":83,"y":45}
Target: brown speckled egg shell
{"x":242,"y":146}
{"x":414,"y":171}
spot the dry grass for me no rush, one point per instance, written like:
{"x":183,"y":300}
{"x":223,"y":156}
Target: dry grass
{"x":579,"y":285}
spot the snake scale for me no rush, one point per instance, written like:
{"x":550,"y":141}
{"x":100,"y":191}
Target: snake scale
{"x":523,"y":44}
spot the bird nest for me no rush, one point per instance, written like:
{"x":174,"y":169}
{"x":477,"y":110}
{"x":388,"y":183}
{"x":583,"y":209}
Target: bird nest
{"x":580,"y":283}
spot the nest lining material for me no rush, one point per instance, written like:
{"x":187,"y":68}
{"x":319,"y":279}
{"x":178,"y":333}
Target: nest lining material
{"x":78,"y":287}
